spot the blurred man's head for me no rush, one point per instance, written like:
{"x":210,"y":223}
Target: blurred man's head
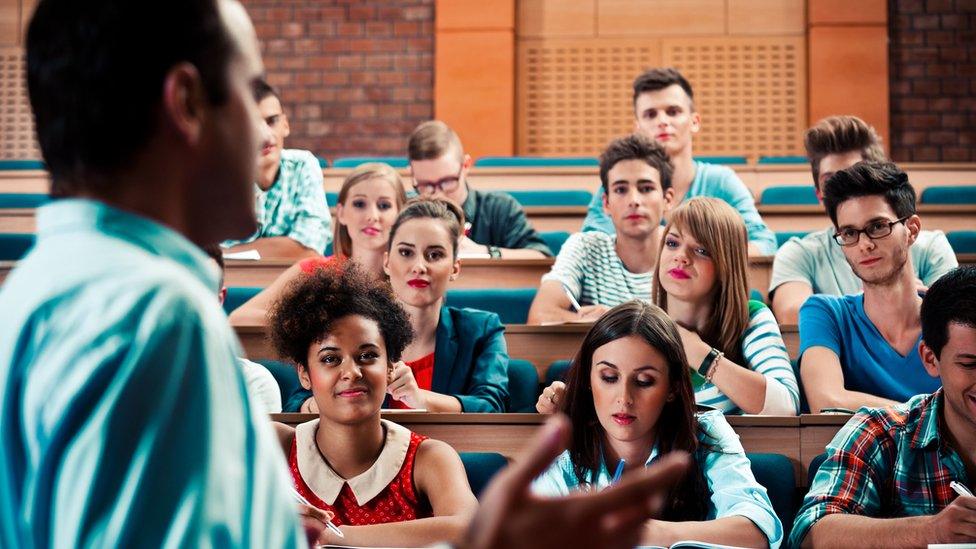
{"x":664,"y":109}
{"x":837,"y":143}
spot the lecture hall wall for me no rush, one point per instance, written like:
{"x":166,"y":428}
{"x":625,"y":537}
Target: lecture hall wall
{"x":553,"y":76}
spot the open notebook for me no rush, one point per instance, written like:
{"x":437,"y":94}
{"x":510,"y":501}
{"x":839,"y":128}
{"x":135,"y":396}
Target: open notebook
{"x":691,"y":544}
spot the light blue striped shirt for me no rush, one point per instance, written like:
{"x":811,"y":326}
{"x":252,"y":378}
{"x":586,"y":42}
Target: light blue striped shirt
{"x":734,"y":489}
{"x":125,"y":419}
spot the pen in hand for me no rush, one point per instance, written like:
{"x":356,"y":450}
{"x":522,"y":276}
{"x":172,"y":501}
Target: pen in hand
{"x":572,"y":299}
{"x":960,"y":488}
{"x":328,"y":523}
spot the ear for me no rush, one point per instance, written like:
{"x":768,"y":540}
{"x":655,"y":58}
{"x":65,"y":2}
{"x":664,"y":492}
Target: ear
{"x":386,"y":263}
{"x":636,"y":124}
{"x":338,"y":214}
{"x":184,"y":102}
{"x":285,"y":127}
{"x":456,"y":269}
{"x":668,"y":198}
{"x":303,"y":377}
{"x":222,"y":295}
{"x":390,"y":365}
{"x":914,"y":224}
{"x":606,"y":201}
{"x":695,"y":122}
{"x":929,"y":360}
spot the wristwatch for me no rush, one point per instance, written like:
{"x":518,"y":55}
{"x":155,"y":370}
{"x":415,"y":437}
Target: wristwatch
{"x":494,"y":251}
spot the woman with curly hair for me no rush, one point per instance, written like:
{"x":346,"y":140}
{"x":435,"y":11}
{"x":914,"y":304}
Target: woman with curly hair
{"x":630,"y":401}
{"x":370,"y":198}
{"x":384,"y":484}
{"x":458,"y":360}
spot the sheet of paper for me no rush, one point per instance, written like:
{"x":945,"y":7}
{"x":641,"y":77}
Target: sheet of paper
{"x":251,"y":255}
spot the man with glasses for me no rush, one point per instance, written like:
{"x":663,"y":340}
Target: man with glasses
{"x":814,"y":264}
{"x":496,"y":225}
{"x":293,"y":218}
{"x":860,"y":350}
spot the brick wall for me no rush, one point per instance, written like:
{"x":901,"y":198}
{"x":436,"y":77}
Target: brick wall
{"x":356,"y":76}
{"x":933,"y":80}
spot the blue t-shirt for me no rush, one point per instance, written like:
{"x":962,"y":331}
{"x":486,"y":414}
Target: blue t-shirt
{"x":710,"y":180}
{"x":870,"y":365}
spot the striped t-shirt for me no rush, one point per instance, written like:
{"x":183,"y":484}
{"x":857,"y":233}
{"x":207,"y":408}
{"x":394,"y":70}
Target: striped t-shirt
{"x":764,"y":352}
{"x":589,"y":266}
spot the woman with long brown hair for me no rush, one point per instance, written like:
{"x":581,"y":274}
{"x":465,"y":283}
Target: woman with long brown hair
{"x":630,"y":400}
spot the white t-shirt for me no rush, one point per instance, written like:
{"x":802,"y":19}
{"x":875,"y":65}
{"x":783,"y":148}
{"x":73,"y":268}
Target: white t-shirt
{"x":262,"y":388}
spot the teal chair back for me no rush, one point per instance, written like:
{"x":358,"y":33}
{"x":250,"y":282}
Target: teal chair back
{"x":555,"y":240}
{"x":775,"y":473}
{"x":237,"y":296}
{"x":510,"y":304}
{"x":523,"y":386}
{"x":14,"y":246}
{"x":481,"y":467}
{"x":783,"y":236}
{"x":23,"y":200}
{"x":331,"y":199}
{"x":535,"y":161}
{"x":354,"y":161}
{"x":21,"y":165}
{"x":570,"y":197}
{"x":956,"y":194}
{"x":962,"y":242}
{"x":791,"y":195}
{"x":815,"y":464}
{"x":728,"y":160}
{"x":557,"y":371}
{"x":323,"y":163}
{"x":783,"y":160}
{"x":285,"y":375}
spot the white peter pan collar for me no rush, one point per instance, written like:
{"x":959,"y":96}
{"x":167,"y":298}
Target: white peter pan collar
{"x":326,"y":483}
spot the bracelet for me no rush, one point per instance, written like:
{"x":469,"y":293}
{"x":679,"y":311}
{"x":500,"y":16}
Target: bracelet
{"x":714,"y":368}
{"x":494,"y":252}
{"x":708,"y":362}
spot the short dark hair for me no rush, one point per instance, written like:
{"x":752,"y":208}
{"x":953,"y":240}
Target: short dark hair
{"x":839,"y":135}
{"x":870,"y":178}
{"x":217,"y":254}
{"x":951,"y":298}
{"x":636,"y":147}
{"x":312,"y":303}
{"x":660,"y":78}
{"x":95,"y":74}
{"x":262,"y":89}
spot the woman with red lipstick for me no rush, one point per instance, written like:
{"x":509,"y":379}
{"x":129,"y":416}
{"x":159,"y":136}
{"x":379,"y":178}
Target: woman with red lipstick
{"x":384,"y":484}
{"x":458,"y":360}
{"x":734,"y":344}
{"x":630,"y":399}
{"x":368,"y":203}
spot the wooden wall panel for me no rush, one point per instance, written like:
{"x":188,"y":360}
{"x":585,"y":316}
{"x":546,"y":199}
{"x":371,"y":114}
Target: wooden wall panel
{"x":849,"y":74}
{"x":766,"y":17}
{"x":475,"y":14}
{"x":660,"y":17}
{"x":832,"y":12}
{"x":17,"y":139}
{"x":9,"y":22}
{"x":575,"y":95}
{"x":556,"y":18}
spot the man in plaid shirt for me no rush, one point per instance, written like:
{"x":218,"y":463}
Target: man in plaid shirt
{"x":886,"y":479}
{"x":293,"y":218}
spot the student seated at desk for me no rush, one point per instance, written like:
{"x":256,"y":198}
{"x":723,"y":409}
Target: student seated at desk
{"x":602,"y":270}
{"x":458,"y":360}
{"x":886,"y":480}
{"x":630,"y":400}
{"x":815,"y":264}
{"x":664,"y":111}
{"x":293,"y":217}
{"x":859,"y":350}
{"x":369,"y":200}
{"x":385,"y":484}
{"x":733,"y":343}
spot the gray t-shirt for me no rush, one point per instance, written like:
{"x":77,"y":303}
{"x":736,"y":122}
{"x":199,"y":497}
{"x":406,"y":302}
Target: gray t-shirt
{"x":589,"y":266}
{"x":819,"y":261}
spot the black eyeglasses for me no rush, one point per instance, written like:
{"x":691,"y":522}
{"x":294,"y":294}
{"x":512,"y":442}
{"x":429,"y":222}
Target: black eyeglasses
{"x":876,"y":229}
{"x":445,"y":185}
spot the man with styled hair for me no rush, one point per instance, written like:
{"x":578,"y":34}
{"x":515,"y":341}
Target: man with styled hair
{"x":814,"y":264}
{"x":602,"y":270}
{"x":664,"y":111}
{"x":859,"y":350}
{"x":293,"y":217}
{"x":887,"y":480}
{"x":495,"y":223}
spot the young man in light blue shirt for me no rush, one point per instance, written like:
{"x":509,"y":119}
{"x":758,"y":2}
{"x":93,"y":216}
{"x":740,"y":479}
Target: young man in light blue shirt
{"x":814,"y":264}
{"x":860,"y":350}
{"x":125,"y":419}
{"x":664,"y":110}
{"x":293,"y":217}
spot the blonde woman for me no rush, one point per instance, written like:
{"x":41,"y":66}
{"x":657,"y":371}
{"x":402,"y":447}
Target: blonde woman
{"x":368,"y":203}
{"x":733,"y":344}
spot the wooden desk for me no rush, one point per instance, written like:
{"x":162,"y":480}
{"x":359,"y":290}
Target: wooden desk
{"x":25,"y":181}
{"x":795,"y":437}
{"x":17,"y":220}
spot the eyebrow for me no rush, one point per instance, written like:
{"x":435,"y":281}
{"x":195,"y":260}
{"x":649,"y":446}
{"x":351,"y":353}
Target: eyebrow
{"x":868,"y":222}
{"x":627,"y":182}
{"x":641,"y":369}
{"x":968,"y":356}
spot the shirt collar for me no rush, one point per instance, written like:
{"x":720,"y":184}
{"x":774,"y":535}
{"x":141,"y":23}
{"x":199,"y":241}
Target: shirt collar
{"x":927,"y":430}
{"x":326,"y":483}
{"x":68,"y":215}
{"x":470,"y":205}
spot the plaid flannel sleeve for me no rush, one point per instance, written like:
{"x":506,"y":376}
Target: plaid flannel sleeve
{"x":850,"y":479}
{"x":312,"y":226}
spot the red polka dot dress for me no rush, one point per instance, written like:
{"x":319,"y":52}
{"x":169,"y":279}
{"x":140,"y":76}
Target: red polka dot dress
{"x":383,"y":493}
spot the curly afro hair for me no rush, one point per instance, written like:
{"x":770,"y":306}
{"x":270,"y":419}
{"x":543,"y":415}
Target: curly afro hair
{"x":306,"y":311}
